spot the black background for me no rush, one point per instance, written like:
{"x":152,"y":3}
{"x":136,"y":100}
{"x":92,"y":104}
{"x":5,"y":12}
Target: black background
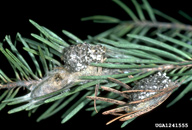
{"x":66,"y":15}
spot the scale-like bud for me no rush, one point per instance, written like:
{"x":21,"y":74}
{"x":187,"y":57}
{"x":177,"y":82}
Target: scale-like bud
{"x":78,"y":57}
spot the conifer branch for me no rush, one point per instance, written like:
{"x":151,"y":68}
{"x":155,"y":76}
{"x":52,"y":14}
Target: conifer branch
{"x":129,"y":52}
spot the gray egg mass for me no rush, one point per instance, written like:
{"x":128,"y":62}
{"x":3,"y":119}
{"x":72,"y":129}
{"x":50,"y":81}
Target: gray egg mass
{"x":78,"y":57}
{"x":154,"y":82}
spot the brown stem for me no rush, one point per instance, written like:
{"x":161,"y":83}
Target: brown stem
{"x":18,"y":83}
{"x":165,"y":67}
{"x":161,"y":25}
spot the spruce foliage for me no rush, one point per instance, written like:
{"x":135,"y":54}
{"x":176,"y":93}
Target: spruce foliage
{"x":142,"y":44}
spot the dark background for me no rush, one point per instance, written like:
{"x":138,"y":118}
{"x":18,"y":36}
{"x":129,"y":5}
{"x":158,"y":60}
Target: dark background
{"x":66,"y":15}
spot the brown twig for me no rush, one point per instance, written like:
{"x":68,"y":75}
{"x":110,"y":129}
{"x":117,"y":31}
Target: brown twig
{"x":18,"y":83}
{"x":165,"y":67}
{"x":161,"y":25}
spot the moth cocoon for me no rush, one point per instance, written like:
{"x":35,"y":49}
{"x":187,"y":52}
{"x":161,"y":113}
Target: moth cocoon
{"x":78,"y":57}
{"x":157,"y":81}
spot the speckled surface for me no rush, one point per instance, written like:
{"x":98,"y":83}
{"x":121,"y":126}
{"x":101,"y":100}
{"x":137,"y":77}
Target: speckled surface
{"x":78,"y":57}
